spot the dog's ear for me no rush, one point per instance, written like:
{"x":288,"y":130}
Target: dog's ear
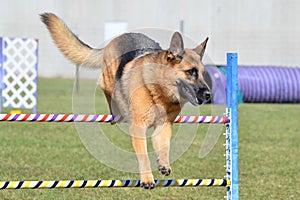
{"x":200,"y":49}
{"x":176,"y":49}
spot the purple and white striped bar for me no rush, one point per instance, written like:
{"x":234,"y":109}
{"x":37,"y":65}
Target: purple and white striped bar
{"x":101,"y":118}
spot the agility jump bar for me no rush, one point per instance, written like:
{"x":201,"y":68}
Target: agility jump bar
{"x":101,"y":118}
{"x":111,"y":183}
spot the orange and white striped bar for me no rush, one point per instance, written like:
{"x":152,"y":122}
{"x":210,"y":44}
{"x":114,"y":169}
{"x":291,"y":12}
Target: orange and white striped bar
{"x":101,"y":118}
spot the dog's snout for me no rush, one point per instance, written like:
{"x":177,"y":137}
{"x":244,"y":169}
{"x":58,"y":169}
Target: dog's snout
{"x":203,"y":94}
{"x":207,"y":95}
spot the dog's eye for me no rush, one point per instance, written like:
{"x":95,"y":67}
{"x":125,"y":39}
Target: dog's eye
{"x":192,"y":72}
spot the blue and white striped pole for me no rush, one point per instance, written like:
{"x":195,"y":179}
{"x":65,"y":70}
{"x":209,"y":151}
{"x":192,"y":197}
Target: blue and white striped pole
{"x":232,"y":105}
{"x":1,"y":73}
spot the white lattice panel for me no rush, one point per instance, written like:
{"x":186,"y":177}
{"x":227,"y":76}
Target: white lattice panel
{"x":19,"y":61}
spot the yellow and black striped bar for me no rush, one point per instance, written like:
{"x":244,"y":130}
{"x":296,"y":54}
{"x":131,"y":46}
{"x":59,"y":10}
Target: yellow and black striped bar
{"x":111,"y":183}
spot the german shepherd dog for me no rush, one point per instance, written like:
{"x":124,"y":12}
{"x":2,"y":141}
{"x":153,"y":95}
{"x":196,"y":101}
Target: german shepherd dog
{"x":142,"y":82}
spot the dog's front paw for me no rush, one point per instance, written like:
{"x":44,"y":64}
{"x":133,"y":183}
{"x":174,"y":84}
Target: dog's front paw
{"x":148,"y":185}
{"x":147,"y":181}
{"x":164,"y":170}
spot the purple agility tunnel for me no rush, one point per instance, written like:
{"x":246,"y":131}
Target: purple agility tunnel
{"x":216,"y":80}
{"x":257,"y":84}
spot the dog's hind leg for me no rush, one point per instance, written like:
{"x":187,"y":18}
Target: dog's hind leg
{"x":113,"y":107}
{"x":138,"y":138}
{"x":161,"y":144}
{"x":108,"y":99}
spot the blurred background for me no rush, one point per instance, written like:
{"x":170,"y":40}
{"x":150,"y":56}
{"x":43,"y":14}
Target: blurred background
{"x":262,"y":32}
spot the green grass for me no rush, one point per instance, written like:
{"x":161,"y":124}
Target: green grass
{"x":269,"y":149}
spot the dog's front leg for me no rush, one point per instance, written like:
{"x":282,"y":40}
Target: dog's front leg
{"x":161,"y":144}
{"x":139,"y":142}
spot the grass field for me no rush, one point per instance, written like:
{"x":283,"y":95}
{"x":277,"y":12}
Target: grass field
{"x":269,"y":146}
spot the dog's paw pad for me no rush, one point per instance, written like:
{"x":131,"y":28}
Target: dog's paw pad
{"x":148,"y":185}
{"x":164,"y":171}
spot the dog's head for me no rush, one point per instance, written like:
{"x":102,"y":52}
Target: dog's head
{"x":189,"y":68}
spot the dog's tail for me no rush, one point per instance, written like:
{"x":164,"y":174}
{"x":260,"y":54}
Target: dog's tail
{"x":69,"y":44}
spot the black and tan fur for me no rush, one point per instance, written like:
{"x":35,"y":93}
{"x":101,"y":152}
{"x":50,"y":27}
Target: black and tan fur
{"x":144,"y":83}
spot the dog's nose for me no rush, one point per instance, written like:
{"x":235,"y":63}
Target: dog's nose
{"x":203,"y":94}
{"x":207,"y":95}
